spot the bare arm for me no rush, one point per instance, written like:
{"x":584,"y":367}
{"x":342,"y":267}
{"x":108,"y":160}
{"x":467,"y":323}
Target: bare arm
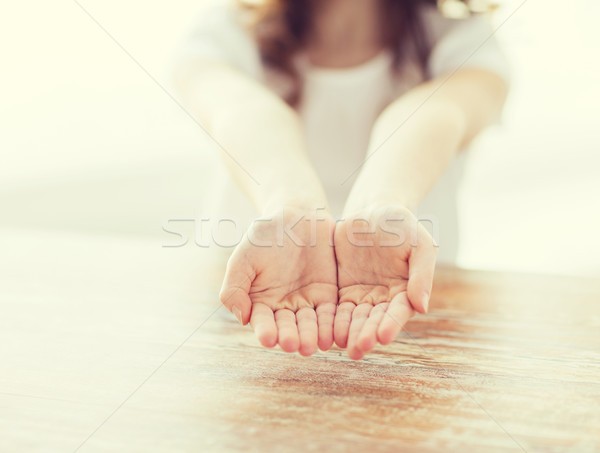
{"x":288,"y":292}
{"x":404,"y":162}
{"x":412,"y":142}
{"x":260,"y":131}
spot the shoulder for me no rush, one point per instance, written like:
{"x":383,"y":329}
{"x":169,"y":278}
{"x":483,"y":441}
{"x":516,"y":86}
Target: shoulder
{"x":219,"y":31}
{"x":437,"y":25}
{"x":465,"y":42}
{"x":221,"y":17}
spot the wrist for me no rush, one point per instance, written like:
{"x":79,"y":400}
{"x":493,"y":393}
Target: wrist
{"x":293,"y":185}
{"x":278,"y":203}
{"x":361,"y":201}
{"x":293,"y":194}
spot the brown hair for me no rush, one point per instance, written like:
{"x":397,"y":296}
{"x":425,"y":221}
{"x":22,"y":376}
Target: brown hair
{"x":280,"y":28}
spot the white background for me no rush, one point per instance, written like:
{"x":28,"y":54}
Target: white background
{"x":89,"y":142}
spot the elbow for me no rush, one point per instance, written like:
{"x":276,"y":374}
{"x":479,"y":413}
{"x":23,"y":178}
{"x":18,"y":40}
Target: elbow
{"x":502,"y":92}
{"x":484,"y":104}
{"x":180,"y":76}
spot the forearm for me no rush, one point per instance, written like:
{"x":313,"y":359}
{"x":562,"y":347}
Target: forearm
{"x":273,"y":169}
{"x":260,"y":138}
{"x":402,"y":166}
{"x":418,"y":135}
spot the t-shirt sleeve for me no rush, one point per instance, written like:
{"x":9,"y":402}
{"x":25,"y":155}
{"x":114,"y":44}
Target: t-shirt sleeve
{"x":464,"y":43}
{"x":217,"y":33}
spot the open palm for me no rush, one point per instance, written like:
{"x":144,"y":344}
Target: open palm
{"x":282,"y":279}
{"x":385,"y":262}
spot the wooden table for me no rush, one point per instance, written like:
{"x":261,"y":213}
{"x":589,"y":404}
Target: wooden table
{"x":117,"y":344}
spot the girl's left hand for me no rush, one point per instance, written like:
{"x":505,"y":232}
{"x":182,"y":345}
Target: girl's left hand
{"x":385,"y":262}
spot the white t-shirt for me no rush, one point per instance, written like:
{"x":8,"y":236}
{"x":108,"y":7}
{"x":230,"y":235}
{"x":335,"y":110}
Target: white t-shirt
{"x":339,"y":107}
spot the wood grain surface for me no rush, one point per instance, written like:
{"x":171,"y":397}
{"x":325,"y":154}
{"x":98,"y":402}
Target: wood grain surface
{"x":119,"y":344}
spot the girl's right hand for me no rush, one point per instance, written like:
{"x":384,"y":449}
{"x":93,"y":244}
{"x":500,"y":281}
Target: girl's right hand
{"x":282,"y":278}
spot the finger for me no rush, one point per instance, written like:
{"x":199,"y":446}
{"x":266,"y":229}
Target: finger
{"x":235,"y":289}
{"x":325,"y":317}
{"x":308,"y":331}
{"x":263,"y":323}
{"x":398,"y":312}
{"x":421,"y":266}
{"x":367,"y":339}
{"x":341,"y":325}
{"x":287,"y":330}
{"x":359,"y":317}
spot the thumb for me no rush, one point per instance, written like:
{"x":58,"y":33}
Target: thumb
{"x":235,"y":290}
{"x":421,"y":267}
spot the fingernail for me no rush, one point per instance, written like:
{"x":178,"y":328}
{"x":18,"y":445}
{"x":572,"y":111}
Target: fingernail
{"x":238,"y":314}
{"x":426,"y":302}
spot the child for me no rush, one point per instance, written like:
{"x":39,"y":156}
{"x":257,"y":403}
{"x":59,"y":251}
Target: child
{"x":322,"y":108}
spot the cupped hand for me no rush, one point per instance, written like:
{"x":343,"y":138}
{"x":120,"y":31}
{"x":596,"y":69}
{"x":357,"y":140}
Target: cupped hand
{"x":385,"y":265}
{"x":282,"y":279}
